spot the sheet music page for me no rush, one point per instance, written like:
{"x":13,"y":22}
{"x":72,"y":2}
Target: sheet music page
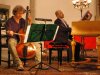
{"x":56,"y":33}
{"x":27,"y":33}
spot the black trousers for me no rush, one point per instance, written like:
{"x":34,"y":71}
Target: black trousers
{"x":77,"y":52}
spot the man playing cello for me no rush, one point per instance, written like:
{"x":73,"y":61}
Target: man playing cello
{"x":13,"y":25}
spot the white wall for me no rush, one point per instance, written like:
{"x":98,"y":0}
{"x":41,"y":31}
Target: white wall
{"x":47,"y":8}
{"x":13,"y":3}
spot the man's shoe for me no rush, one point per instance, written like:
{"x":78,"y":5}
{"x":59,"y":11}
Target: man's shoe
{"x":20,"y":68}
{"x":44,"y":67}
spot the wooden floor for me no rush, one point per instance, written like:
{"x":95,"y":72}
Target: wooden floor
{"x":66,"y":68}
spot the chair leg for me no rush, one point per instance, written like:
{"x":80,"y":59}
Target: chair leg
{"x":60,"y":56}
{"x":8,"y":58}
{"x":0,"y":55}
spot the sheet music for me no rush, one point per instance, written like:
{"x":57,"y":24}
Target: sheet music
{"x":27,"y":33}
{"x":28,"y":30}
{"x":56,"y":33}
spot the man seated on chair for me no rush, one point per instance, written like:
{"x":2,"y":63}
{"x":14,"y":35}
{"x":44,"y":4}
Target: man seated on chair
{"x":13,"y":25}
{"x":64,"y":36}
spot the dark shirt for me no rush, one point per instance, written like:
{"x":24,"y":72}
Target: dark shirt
{"x":12,"y":25}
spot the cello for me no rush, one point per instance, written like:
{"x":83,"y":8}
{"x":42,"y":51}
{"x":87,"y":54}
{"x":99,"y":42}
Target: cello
{"x":25,"y":50}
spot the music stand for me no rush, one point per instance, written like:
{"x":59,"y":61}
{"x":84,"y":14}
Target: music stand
{"x":41,"y":32}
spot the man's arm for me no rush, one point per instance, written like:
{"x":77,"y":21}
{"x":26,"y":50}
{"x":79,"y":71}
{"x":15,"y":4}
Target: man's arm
{"x":9,"y":28}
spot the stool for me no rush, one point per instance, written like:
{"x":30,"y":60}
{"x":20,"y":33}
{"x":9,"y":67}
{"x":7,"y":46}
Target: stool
{"x":59,"y":47}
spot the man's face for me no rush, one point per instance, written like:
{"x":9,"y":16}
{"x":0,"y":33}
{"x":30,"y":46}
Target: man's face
{"x":19,"y":15}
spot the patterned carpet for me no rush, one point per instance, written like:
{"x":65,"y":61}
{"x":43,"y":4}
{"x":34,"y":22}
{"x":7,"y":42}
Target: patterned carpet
{"x":88,"y":68}
{"x":78,"y":68}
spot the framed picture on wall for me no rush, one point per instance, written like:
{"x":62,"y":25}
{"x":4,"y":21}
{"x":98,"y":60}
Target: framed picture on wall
{"x":87,"y":16}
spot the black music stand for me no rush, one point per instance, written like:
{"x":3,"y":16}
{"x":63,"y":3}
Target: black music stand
{"x":42,"y":32}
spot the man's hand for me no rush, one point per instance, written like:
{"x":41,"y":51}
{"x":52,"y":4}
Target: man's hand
{"x":11,"y":33}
